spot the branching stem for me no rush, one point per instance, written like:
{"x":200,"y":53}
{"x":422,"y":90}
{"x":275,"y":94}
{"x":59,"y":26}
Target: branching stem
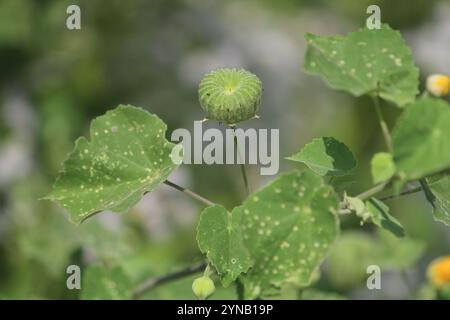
{"x":380,"y":187}
{"x":156,"y":281}
{"x":404,"y":193}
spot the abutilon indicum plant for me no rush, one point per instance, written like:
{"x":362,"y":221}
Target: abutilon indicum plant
{"x":280,"y":234}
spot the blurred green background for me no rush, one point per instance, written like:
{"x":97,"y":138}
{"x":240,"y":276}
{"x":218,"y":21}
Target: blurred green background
{"x":152,"y":54}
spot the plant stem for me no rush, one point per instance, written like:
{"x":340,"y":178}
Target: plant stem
{"x":239,"y":290}
{"x":156,"y":281}
{"x":383,"y":125}
{"x":380,"y":187}
{"x":372,"y":191}
{"x":404,"y":193}
{"x":190,"y":193}
{"x":241,"y":163}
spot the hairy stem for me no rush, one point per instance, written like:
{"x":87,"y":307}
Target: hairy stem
{"x":190,"y":193}
{"x":383,"y":125}
{"x":401,"y":194}
{"x":156,"y":281}
{"x":241,"y":163}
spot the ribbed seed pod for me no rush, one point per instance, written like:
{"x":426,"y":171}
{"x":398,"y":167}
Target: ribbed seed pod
{"x":230,"y":95}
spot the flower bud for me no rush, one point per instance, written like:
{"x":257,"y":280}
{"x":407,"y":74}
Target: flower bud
{"x":438,"y":85}
{"x":439,"y":271}
{"x":203,"y":287}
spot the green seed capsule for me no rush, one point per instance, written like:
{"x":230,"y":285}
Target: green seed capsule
{"x":230,"y":95}
{"x":203,"y":287}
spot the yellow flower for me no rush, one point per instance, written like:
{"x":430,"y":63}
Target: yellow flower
{"x":438,"y":84}
{"x":439,"y":271}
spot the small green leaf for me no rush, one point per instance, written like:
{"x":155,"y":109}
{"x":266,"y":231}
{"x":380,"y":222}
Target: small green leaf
{"x":219,"y":236}
{"x":439,"y":196}
{"x":105,"y":284}
{"x":366,"y":61}
{"x":421,"y":139}
{"x":127,"y":156}
{"x":382,"y":167}
{"x":374,"y":211}
{"x":326,"y":157}
{"x":288,"y":227}
{"x":356,"y":205}
{"x":379,"y":215}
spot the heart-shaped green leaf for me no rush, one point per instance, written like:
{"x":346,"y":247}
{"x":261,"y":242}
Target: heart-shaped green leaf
{"x":366,"y":61}
{"x":326,"y":156}
{"x":219,"y":236}
{"x":127,"y":156}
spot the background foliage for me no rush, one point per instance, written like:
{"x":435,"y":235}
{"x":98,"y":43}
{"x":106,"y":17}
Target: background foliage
{"x":152,"y":54}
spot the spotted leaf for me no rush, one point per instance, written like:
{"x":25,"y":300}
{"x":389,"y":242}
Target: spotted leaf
{"x":219,"y":236}
{"x":287,"y":227}
{"x":127,"y":156}
{"x":366,"y":61}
